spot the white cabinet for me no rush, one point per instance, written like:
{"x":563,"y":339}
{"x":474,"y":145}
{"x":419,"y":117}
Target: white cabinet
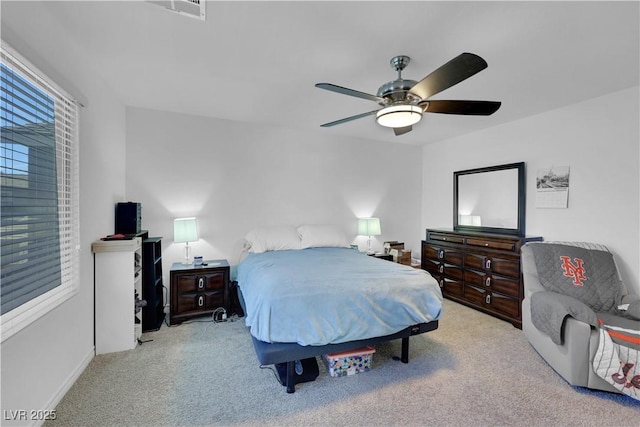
{"x":118,"y":283}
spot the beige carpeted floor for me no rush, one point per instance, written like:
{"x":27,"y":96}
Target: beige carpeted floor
{"x":473,"y":370}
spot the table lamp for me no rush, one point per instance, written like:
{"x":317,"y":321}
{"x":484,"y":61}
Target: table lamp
{"x":369,"y":227}
{"x":185,"y":230}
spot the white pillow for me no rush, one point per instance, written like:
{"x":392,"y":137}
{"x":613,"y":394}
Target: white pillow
{"x":276,"y":238}
{"x":316,"y":236}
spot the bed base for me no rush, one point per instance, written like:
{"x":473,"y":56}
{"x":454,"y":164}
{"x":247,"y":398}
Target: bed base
{"x":272,"y":353}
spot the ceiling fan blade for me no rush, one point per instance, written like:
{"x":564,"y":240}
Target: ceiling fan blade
{"x":350,"y":92}
{"x":453,"y":72}
{"x":402,"y":130}
{"x":469,"y":108}
{"x":348,"y":119}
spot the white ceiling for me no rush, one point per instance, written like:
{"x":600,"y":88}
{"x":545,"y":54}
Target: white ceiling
{"x":259,"y":61}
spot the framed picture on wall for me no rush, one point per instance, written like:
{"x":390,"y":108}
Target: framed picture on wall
{"x":552,"y":187}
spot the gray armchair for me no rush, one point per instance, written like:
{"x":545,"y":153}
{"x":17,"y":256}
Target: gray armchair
{"x":573,"y":357}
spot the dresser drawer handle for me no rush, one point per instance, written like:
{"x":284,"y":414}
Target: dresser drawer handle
{"x":200,"y":282}
{"x":441,"y":254}
{"x":487,"y":281}
{"x":442,"y":283}
{"x":200,"y":301}
{"x":488,"y":264}
{"x":441,"y":269}
{"x":487,"y":299}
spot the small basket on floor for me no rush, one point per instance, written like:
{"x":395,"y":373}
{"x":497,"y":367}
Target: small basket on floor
{"x":349,"y":362}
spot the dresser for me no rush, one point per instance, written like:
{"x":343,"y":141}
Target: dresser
{"x":480,"y":270}
{"x":198,"y":290}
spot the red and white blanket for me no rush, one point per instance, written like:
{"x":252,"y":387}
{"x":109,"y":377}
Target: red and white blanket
{"x":617,"y":360}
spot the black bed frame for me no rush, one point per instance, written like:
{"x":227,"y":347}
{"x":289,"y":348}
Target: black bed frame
{"x":272,"y":353}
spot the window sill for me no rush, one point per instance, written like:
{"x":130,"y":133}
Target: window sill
{"x":21,"y":317}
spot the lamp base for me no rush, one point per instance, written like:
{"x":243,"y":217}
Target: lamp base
{"x":187,"y":255}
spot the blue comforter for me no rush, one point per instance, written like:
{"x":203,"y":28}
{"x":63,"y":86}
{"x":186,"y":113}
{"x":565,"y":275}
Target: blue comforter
{"x":318,"y":296}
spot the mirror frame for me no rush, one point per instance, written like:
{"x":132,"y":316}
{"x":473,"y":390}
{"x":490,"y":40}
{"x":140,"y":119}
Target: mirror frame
{"x":520,"y":229}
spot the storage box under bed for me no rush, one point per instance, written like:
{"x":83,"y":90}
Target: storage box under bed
{"x":349,"y":362}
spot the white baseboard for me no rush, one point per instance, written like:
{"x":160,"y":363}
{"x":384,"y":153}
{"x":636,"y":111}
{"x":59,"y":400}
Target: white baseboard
{"x":68,"y":383}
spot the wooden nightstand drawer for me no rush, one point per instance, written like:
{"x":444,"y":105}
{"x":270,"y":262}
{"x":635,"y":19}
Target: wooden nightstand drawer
{"x":198,"y":290}
{"x":190,"y":302}
{"x":200,"y":282}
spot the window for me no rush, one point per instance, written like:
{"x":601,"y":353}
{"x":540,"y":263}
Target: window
{"x":39,"y":232}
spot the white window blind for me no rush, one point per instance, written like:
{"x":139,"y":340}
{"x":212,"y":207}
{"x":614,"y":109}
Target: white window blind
{"x":39,"y":233}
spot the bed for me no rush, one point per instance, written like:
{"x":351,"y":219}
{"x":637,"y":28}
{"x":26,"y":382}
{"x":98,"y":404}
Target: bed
{"x":305,"y":293}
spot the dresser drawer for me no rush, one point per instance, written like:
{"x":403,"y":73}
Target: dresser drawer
{"x":432,"y":266}
{"x":451,"y":238}
{"x":451,"y":287}
{"x":451,"y":271}
{"x":475,"y":295}
{"x":430,"y":252}
{"x":441,"y":269}
{"x":493,"y":301}
{"x":451,"y":256}
{"x":493,"y":282}
{"x":509,"y":307}
{"x":505,"y":267}
{"x":492,"y":244}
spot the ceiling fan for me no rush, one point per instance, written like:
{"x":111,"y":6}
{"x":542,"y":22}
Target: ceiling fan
{"x":404,"y":101}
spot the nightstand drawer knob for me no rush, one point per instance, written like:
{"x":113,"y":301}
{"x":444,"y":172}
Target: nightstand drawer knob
{"x":200,"y":301}
{"x":200,"y":282}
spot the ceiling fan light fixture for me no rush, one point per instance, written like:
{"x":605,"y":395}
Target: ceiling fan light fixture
{"x":398,"y":116}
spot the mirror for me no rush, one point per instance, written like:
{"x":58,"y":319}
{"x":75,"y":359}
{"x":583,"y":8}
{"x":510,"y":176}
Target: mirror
{"x":490,"y":199}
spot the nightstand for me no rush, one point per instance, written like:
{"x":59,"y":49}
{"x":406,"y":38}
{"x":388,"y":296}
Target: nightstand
{"x":387,"y":257}
{"x":198,"y":290}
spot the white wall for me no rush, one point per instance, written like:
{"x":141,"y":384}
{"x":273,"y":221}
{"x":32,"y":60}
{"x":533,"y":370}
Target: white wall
{"x":235,"y":176}
{"x":43,"y":360}
{"x":597,"y":139}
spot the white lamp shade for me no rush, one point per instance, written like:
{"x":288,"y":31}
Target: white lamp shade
{"x":185,"y":230}
{"x":369,"y":227}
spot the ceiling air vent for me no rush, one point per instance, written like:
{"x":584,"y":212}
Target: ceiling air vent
{"x":190,"y":8}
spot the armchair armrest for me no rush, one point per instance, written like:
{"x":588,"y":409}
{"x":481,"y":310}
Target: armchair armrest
{"x":549,"y":310}
{"x":633,"y":308}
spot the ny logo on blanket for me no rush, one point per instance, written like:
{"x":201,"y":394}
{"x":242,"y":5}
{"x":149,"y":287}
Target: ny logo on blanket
{"x":587,"y":275}
{"x":575,"y":271}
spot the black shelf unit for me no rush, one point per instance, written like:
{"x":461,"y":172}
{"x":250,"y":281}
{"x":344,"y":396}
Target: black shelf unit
{"x":152,"y":288}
